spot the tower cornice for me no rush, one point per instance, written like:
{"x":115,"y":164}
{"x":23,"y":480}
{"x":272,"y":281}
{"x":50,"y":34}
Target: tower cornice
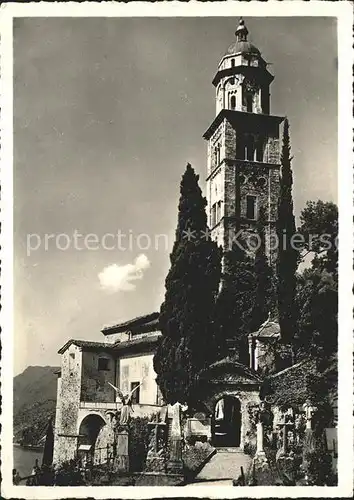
{"x":245,"y":163}
{"x":248,"y":71}
{"x":242,"y":117}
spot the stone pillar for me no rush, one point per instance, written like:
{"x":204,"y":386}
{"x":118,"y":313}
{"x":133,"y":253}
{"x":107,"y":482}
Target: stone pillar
{"x":256,"y":355}
{"x":121,"y":460}
{"x":175,"y":463}
{"x":285,"y":438}
{"x":251,"y":351}
{"x":260,"y":439}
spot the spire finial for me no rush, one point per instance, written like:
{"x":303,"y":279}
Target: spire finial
{"x":241,"y":31}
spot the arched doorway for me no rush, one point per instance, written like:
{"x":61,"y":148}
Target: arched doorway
{"x":88,"y":432}
{"x":226,"y":422}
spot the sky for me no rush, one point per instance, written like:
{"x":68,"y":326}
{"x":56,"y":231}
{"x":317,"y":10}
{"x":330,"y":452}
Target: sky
{"x":107,"y":113}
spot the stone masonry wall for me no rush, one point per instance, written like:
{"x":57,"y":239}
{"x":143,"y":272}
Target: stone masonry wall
{"x":57,"y":424}
{"x":244,"y":178}
{"x":68,"y":403}
{"x":230,"y":172}
{"x":94,"y":383}
{"x":273,"y":153}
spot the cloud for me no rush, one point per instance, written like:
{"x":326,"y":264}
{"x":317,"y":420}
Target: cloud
{"x":116,"y":278}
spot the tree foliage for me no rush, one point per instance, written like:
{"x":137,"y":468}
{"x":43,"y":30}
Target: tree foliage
{"x":317,"y":301}
{"x":319,"y":228}
{"x":317,"y":289}
{"x":287,"y":261}
{"x":189,"y":342}
{"x":236,"y":300}
{"x":138,"y":442}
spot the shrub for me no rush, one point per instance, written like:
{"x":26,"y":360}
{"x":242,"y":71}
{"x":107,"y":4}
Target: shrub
{"x":250,"y":449}
{"x":319,"y":468}
{"x":138,"y":443}
{"x":68,"y":474}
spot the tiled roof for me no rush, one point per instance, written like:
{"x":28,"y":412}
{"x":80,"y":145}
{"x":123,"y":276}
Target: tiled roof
{"x":242,"y":47}
{"x":146,"y":340}
{"x":141,"y":341}
{"x":85,"y":343}
{"x":150,"y":320}
{"x":231,"y":362}
{"x":270,"y":329}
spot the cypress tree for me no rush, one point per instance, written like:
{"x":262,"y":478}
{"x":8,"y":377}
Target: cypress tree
{"x":189,"y":342}
{"x":287,"y":260}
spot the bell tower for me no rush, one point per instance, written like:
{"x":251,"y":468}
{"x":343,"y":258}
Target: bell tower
{"x":243,"y":146}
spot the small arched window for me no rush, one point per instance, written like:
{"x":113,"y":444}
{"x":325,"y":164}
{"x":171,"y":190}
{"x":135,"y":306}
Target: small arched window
{"x":216,"y":160}
{"x":213,"y":215}
{"x":250,"y":148}
{"x":233,"y":102}
{"x":232,"y":63}
{"x":251,"y":207}
{"x":219,"y":211}
{"x":249,"y":102}
{"x":217,"y":154}
{"x":259,"y":155}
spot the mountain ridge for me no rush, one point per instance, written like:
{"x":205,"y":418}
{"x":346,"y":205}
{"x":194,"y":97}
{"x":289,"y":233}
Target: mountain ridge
{"x":34,"y":402}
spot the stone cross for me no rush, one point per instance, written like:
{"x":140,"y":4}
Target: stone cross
{"x":157,"y":426}
{"x":285,"y":425}
{"x":309,"y":411}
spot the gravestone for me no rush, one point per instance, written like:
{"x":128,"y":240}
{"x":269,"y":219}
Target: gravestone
{"x":286,"y":425}
{"x":310,"y":440}
{"x":199,"y":427}
{"x":156,"y":456}
{"x":285,"y":459}
{"x":121,"y":461}
{"x":175,"y":463}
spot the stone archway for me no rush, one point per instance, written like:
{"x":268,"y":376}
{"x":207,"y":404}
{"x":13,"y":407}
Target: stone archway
{"x":226,"y":422}
{"x":88,"y":432}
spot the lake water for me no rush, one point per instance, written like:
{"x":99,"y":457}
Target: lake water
{"x":24,"y":459}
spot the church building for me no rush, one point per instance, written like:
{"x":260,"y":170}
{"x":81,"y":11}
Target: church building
{"x":243,"y":163}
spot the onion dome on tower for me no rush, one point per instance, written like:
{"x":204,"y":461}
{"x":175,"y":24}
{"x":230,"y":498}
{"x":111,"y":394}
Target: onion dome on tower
{"x":241,"y":45}
{"x":242,"y":80}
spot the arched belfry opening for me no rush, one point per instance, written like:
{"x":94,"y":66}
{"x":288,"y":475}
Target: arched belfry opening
{"x":226,"y":422}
